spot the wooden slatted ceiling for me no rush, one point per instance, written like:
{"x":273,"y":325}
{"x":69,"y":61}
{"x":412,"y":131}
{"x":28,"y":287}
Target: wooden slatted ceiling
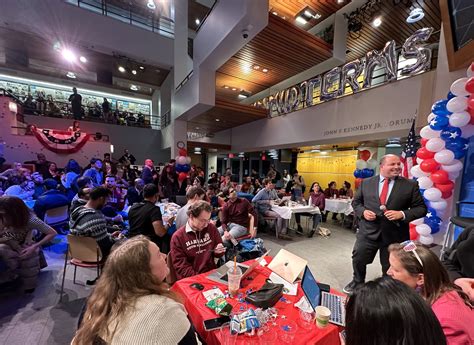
{"x":230,"y":115}
{"x":393,"y":27}
{"x":290,"y":8}
{"x":282,"y":48}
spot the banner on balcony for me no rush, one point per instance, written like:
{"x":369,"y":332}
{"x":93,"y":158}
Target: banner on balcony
{"x":60,"y":141}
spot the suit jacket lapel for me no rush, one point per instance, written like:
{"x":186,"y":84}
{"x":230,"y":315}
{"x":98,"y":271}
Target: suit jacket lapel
{"x":395,"y":189}
{"x":375,"y":187}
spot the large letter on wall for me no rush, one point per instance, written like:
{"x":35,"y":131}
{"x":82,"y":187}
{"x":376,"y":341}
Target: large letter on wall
{"x":387,"y":59}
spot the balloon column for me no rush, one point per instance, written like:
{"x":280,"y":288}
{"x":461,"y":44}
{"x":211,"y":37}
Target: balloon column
{"x":365,"y":167}
{"x":444,"y":143}
{"x":183,"y":162}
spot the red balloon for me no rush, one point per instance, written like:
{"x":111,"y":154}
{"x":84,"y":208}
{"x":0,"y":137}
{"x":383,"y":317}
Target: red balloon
{"x":446,"y":195}
{"x":183,"y":152}
{"x":470,"y":85}
{"x":182,"y":176}
{"x":471,"y":111}
{"x":364,"y":154}
{"x":445,"y":187}
{"x":424,"y":141}
{"x":424,"y":153}
{"x":429,"y":165}
{"x":358,"y":181}
{"x":470,"y":102}
{"x":413,"y":234}
{"x":440,"y":176}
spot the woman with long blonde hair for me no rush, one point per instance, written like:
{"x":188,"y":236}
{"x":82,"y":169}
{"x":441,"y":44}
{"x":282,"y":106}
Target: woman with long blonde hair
{"x":131,"y":304}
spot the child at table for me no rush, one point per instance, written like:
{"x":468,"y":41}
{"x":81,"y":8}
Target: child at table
{"x":316,"y":199}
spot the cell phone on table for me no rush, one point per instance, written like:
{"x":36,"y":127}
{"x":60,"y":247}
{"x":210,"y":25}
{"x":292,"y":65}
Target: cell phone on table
{"x":212,"y":324}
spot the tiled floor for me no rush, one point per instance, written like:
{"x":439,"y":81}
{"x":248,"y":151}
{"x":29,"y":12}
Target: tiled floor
{"x":40,"y":318}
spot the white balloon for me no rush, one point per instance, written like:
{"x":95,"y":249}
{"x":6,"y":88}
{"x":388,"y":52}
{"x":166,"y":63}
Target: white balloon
{"x":425,"y":182}
{"x":456,"y":165}
{"x":428,"y":133}
{"x":457,"y":104}
{"x":423,"y":229}
{"x":453,"y":175}
{"x":458,"y":88}
{"x":361,"y":164}
{"x":432,"y":194}
{"x":459,"y":119}
{"x":417,"y":172}
{"x":467,"y":131}
{"x":431,"y":116}
{"x":438,"y":205}
{"x":470,"y":71}
{"x":418,"y":221}
{"x":435,"y":144}
{"x":188,"y":160}
{"x":426,"y":240}
{"x":444,"y":157}
{"x":419,"y":160}
{"x":372,"y":163}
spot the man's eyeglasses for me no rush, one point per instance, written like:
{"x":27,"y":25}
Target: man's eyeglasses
{"x":410,"y":246}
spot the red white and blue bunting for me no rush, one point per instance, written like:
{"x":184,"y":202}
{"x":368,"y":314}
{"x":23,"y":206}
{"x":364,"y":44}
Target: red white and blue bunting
{"x":64,"y":142}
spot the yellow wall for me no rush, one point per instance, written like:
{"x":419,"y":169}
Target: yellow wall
{"x":336,"y":166}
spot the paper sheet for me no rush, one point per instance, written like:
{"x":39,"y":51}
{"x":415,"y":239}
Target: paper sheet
{"x":289,"y":289}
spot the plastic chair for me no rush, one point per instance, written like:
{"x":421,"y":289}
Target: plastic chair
{"x":84,"y":252}
{"x":273,"y":220}
{"x":449,"y":239}
{"x":57,"y":216}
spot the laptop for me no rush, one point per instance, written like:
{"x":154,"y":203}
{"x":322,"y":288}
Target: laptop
{"x":220,"y":274}
{"x":288,"y":265}
{"x":316,"y":297}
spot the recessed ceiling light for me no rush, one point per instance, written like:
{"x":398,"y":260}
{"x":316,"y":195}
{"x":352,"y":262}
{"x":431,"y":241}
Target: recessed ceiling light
{"x":197,"y":21}
{"x":134,"y":71}
{"x":217,"y":120}
{"x":71,"y":75}
{"x":340,"y":1}
{"x":307,"y":13}
{"x":377,"y":22}
{"x":151,"y":4}
{"x":68,"y":55}
{"x":142,"y":68}
{"x":301,"y":20}
{"x":265,"y":70}
{"x":57,"y":46}
{"x":416,"y":14}
{"x":226,"y":86}
{"x":121,"y":69}
{"x":242,"y":96}
{"x":83,"y":59}
{"x":134,"y":87}
{"x":246,"y":68}
{"x":275,"y":13}
{"x":256,"y":67}
{"x":234,"y":89}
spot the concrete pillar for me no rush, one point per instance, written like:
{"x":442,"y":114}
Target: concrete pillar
{"x":179,"y":134}
{"x":182,"y":62}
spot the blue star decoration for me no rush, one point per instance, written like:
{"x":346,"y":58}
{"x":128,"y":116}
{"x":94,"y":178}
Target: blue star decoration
{"x":433,"y":122}
{"x":453,"y":135}
{"x":429,"y":215}
{"x":286,"y":328}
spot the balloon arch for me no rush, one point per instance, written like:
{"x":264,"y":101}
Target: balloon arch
{"x":444,"y":142}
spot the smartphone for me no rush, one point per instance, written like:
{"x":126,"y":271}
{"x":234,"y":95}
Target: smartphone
{"x":216,"y":323}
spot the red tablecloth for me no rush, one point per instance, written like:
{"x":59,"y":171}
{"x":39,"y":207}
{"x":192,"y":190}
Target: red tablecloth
{"x":194,"y":301}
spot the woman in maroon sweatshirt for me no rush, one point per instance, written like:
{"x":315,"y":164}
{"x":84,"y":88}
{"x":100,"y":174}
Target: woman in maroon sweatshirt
{"x":195,"y":245}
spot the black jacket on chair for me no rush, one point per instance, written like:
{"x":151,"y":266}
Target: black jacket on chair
{"x":459,"y":259}
{"x":405,"y":196}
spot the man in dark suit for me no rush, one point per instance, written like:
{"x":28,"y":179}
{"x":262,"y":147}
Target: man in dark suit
{"x":384,"y":204}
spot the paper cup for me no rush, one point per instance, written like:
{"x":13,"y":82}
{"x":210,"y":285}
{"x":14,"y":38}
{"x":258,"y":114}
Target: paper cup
{"x":322,"y":316}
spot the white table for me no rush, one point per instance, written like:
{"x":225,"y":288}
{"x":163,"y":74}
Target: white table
{"x":339,"y":206}
{"x":287,"y":211}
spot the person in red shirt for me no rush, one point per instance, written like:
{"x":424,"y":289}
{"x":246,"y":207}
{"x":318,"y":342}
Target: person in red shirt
{"x":419,"y":268}
{"x":235,"y":216}
{"x":195,"y":245}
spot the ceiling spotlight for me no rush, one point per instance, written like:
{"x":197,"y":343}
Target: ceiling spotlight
{"x":243,"y":94}
{"x":134,"y":87}
{"x":340,"y":1}
{"x":121,"y":69}
{"x":217,"y":120}
{"x":83,"y":59}
{"x":71,"y":75}
{"x":151,"y":4}
{"x":57,"y":46}
{"x":68,"y":55}
{"x":301,"y":20}
{"x":256,"y":67}
{"x":226,"y":86}
{"x":275,"y":13}
{"x":197,"y":21}
{"x":265,"y":70}
{"x":134,"y":71}
{"x":415,"y":15}
{"x":377,"y":22}
{"x":142,"y":68}
{"x":234,"y":89}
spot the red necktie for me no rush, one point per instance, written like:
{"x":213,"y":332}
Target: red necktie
{"x":383,"y":195}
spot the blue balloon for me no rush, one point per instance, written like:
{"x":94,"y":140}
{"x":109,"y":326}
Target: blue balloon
{"x":432,"y":221}
{"x":357,"y":173}
{"x":450,"y":95}
{"x":439,"y":123}
{"x":451,"y":133}
{"x":186,"y":167}
{"x":439,"y":108}
{"x":458,"y":144}
{"x":179,"y":168}
{"x":371,"y":172}
{"x":459,"y":154}
{"x":431,"y":213}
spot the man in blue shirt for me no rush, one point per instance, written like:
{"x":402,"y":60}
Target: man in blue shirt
{"x":263,"y":200}
{"x":95,"y":172}
{"x":50,"y":199}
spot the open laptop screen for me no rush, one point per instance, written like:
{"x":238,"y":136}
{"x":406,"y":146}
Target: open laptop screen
{"x":310,"y":288}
